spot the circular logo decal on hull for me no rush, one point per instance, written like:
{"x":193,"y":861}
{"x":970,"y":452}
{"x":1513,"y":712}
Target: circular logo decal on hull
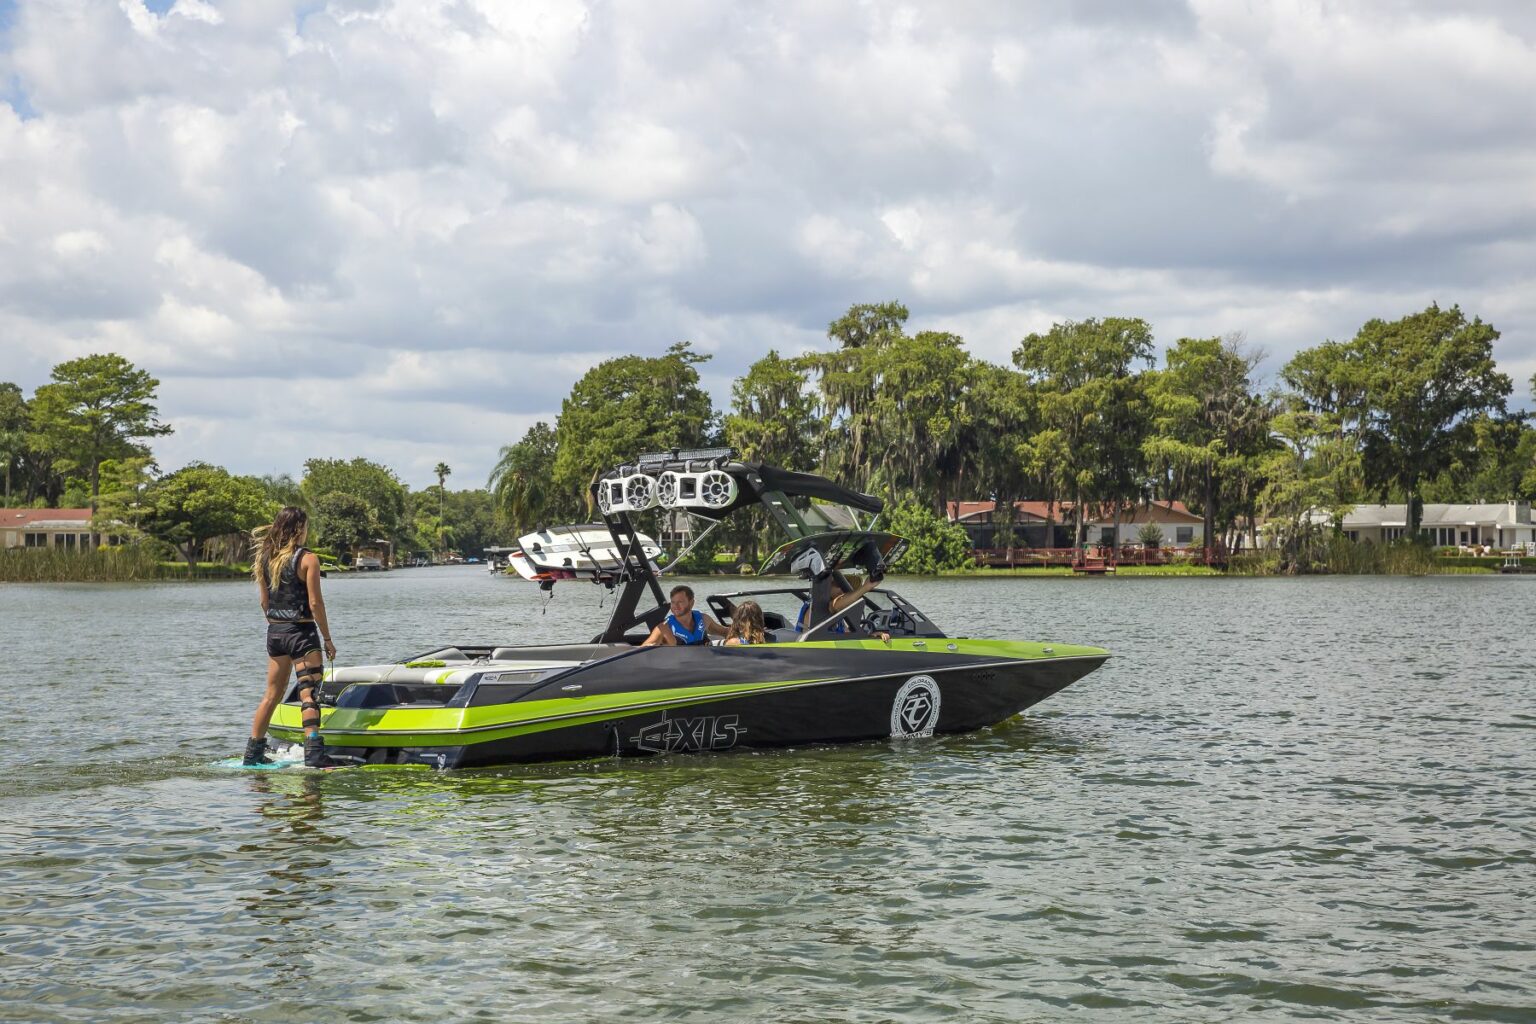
{"x":915,"y":711}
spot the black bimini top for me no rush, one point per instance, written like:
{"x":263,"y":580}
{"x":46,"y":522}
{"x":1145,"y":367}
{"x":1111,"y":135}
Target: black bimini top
{"x":764,"y":478}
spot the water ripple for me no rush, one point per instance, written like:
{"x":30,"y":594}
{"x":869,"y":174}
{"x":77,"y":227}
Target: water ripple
{"x":1281,"y":800}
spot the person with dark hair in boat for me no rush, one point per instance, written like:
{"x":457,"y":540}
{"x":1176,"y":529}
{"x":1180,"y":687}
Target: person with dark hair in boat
{"x":684,"y":626}
{"x":288,"y":577}
{"x":746,"y":626}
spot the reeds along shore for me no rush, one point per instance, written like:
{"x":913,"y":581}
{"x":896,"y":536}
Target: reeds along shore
{"x":126,"y":564}
{"x":1339,"y":556}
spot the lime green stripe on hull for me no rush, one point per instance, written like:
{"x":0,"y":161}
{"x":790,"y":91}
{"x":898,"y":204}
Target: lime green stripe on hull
{"x":456,"y":726}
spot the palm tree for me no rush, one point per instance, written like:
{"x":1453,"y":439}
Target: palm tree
{"x":443,"y":472}
{"x":520,"y":481}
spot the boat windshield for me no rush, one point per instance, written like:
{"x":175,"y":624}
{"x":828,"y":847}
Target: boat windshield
{"x":878,"y":611}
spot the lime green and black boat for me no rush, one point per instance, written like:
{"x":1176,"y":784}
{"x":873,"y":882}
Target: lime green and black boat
{"x":829,"y":681}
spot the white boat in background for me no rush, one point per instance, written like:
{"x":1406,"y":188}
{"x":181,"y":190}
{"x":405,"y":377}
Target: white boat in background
{"x":498,"y":559}
{"x":572,"y":552}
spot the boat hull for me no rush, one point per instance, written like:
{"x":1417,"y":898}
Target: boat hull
{"x":669,"y":700}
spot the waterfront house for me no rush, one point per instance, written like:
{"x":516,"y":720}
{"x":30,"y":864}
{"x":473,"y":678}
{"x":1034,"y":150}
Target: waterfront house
{"x":68,"y":528}
{"x":376,"y":554}
{"x":1497,"y":525}
{"x":1040,"y":525}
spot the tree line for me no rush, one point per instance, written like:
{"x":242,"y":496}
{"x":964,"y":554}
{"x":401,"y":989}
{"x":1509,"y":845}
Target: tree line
{"x":82,"y":440}
{"x":1408,"y":410}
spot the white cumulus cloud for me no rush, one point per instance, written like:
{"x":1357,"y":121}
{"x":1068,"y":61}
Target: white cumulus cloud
{"x":416,"y":222}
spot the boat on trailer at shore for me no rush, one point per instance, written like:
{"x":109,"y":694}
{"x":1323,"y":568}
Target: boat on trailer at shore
{"x":460,"y":705}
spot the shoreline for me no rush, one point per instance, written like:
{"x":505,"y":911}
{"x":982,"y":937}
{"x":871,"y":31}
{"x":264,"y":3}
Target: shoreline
{"x":1060,"y":572}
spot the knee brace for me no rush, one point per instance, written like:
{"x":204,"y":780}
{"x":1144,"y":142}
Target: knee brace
{"x":309,"y":677}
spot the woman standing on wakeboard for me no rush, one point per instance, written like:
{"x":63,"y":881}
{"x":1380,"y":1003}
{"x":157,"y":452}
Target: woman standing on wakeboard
{"x":288,"y":577}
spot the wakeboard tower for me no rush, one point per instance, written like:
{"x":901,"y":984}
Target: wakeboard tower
{"x":825,"y":678}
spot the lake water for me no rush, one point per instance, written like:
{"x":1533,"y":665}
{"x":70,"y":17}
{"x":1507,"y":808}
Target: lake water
{"x":1282,"y":799}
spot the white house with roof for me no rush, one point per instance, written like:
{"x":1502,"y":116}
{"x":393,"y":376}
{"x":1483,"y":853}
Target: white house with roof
{"x":1501,"y":525}
{"x":1039,"y":524}
{"x":45,"y":528}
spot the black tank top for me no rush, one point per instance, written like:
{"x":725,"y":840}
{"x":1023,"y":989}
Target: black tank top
{"x":289,"y":602}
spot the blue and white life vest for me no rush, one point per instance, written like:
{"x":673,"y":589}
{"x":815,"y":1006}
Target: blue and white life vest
{"x":688,"y":637}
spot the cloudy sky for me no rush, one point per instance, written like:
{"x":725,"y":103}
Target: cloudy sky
{"x":401,"y":230}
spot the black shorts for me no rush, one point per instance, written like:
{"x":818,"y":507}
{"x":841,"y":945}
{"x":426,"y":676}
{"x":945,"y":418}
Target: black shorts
{"x":292,"y":639}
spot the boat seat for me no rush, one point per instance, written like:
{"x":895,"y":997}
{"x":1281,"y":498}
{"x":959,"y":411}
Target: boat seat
{"x":446,"y":654}
{"x":558,"y":652}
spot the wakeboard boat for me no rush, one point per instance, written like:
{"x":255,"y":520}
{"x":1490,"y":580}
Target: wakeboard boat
{"x":831,"y":680}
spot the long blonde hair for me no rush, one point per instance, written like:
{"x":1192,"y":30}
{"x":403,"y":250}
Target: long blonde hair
{"x":747,"y":623}
{"x":276,"y":544}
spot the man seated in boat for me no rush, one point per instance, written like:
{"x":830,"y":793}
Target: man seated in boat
{"x":684,"y":626}
{"x":843,"y":599}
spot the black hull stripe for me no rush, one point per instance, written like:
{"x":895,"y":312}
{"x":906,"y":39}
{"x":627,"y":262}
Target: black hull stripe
{"x":703,"y":698}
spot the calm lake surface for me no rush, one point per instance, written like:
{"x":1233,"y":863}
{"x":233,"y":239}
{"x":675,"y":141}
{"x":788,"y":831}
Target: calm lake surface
{"x":1282,"y":799}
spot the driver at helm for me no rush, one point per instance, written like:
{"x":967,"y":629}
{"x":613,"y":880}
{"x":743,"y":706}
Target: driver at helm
{"x":684,"y":626}
{"x":842,"y":600}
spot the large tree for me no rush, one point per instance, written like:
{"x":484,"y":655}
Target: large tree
{"x":1209,"y":427}
{"x":472,"y":514}
{"x":773,"y":419}
{"x":522,"y":487}
{"x":193,"y":505}
{"x":375,"y":484}
{"x":629,"y":406}
{"x":1001,"y":424}
{"x":894,"y":406}
{"x":1493,"y":469}
{"x":773,"y":415}
{"x":1083,"y":374}
{"x":95,"y":408}
{"x":868,"y":324}
{"x":343,"y":522}
{"x":1295,"y":489}
{"x":1329,"y":381}
{"x":13,"y":431}
{"x":1528,"y":462}
{"x":848,"y":382}
{"x":1428,"y":377}
{"x":920,"y":415}
{"x":123,"y":483}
